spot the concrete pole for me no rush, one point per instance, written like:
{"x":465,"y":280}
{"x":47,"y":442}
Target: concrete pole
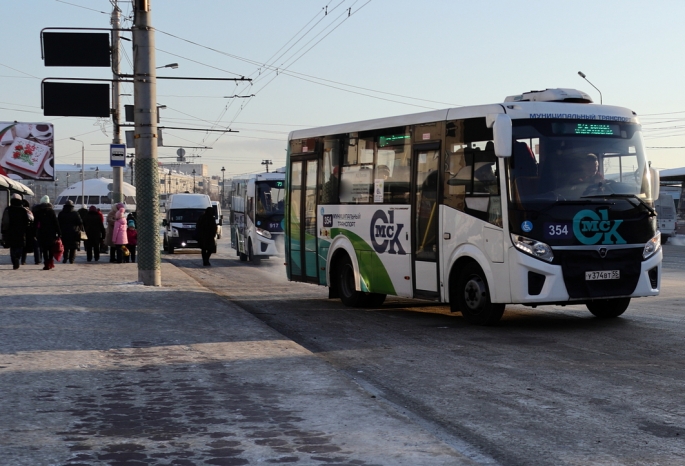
{"x":117,"y":172}
{"x":147,"y":173}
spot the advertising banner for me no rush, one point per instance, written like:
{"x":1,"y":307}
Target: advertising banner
{"x":27,"y":151}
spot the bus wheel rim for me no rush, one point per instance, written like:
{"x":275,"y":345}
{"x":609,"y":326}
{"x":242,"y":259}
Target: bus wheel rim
{"x":474,"y":293}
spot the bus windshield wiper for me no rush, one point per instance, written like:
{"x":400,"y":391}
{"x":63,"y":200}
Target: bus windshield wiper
{"x":651,"y":210}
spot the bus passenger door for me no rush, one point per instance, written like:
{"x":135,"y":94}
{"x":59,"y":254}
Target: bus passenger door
{"x":426,"y":162}
{"x":302,"y":232}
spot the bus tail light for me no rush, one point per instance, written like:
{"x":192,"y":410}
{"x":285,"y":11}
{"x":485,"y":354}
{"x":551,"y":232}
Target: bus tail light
{"x":533,"y":247}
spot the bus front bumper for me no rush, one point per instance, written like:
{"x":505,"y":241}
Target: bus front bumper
{"x":537,"y":282}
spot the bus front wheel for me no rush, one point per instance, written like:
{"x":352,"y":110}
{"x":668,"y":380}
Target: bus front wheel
{"x":250,"y":253}
{"x":608,"y":308}
{"x":471,"y":295}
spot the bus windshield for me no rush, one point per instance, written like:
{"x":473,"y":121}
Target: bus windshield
{"x":576,"y":160}
{"x":185,"y":215}
{"x":270,"y":197}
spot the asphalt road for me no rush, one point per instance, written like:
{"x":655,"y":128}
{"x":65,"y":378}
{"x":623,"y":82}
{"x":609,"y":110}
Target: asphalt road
{"x":547,"y":386}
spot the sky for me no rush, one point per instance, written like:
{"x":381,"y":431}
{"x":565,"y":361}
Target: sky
{"x":322,"y":62}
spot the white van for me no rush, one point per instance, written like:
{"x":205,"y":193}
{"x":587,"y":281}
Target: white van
{"x":218,"y":216}
{"x":182,"y":213}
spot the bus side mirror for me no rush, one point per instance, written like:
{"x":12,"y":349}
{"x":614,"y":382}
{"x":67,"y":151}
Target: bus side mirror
{"x":655,"y":182}
{"x":501,"y":130}
{"x":164,"y":222}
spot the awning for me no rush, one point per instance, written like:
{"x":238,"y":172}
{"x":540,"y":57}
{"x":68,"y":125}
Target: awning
{"x":14,"y":186}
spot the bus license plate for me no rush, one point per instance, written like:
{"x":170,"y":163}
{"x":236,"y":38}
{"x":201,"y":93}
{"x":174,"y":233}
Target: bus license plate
{"x":603,"y":275}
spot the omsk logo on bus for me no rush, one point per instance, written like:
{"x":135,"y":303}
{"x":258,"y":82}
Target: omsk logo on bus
{"x":385,"y":233}
{"x":591,"y":228}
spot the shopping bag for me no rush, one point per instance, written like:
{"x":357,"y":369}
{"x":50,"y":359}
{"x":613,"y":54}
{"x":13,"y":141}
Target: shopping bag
{"x":58,"y":249}
{"x":125,"y":251}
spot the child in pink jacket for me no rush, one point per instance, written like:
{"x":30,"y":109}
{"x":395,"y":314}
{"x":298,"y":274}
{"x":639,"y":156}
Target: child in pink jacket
{"x":132,"y":241}
{"x":119,"y":236}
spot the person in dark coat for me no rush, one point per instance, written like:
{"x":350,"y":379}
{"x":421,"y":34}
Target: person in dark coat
{"x":71,"y":226}
{"x":205,"y":231}
{"x":31,"y":243}
{"x":14,"y":227}
{"x":95,"y":231}
{"x":82,"y":213}
{"x":47,"y":230}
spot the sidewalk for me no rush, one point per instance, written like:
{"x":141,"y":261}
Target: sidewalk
{"x":96,"y":368}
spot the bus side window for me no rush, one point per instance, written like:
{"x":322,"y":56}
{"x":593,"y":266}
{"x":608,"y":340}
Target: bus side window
{"x":330,"y":172}
{"x":471,"y":175}
{"x":248,"y":209}
{"x":456,"y":178}
{"x":356,"y":180}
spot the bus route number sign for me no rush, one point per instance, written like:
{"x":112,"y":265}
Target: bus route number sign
{"x":563,"y":230}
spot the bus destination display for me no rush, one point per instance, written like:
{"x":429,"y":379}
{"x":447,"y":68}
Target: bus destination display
{"x":587,"y":129}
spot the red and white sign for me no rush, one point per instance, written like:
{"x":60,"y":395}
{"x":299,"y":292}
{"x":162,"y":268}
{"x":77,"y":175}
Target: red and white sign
{"x":27,"y":150}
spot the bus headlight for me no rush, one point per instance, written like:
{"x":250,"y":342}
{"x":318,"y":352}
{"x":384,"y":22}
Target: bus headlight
{"x":652,"y":246}
{"x":264,"y":233}
{"x":533,"y":247}
{"x":174,"y":233}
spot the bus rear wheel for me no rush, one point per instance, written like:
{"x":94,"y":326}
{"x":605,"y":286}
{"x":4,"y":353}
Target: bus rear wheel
{"x":345,"y":285}
{"x":608,"y":308}
{"x":471,"y":296}
{"x":373,"y":299}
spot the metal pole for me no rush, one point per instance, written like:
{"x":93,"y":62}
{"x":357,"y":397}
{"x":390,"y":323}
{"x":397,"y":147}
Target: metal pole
{"x":117,"y":172}
{"x":147,"y":173}
{"x":83,"y":179}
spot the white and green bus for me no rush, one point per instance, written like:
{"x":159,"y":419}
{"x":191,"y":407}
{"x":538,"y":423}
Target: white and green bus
{"x":545,"y":198}
{"x":256,"y":215}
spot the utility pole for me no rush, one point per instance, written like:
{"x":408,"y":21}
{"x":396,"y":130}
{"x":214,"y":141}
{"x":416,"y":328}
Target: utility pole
{"x":267,"y":163}
{"x":117,"y":172}
{"x":223,"y":186}
{"x":132,"y":167}
{"x":147,"y":173}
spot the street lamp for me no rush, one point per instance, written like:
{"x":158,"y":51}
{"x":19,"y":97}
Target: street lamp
{"x":83,"y":180}
{"x":582,"y":75}
{"x":55,"y":196}
{"x":97,"y":172}
{"x":223,"y":186}
{"x":193,"y":180}
{"x":173,"y":66}
{"x":67,"y":180}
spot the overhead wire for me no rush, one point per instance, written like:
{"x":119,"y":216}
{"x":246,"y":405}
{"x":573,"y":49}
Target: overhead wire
{"x":291,"y":63}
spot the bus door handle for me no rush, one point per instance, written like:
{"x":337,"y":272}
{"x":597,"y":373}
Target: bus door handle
{"x":446,"y":236}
